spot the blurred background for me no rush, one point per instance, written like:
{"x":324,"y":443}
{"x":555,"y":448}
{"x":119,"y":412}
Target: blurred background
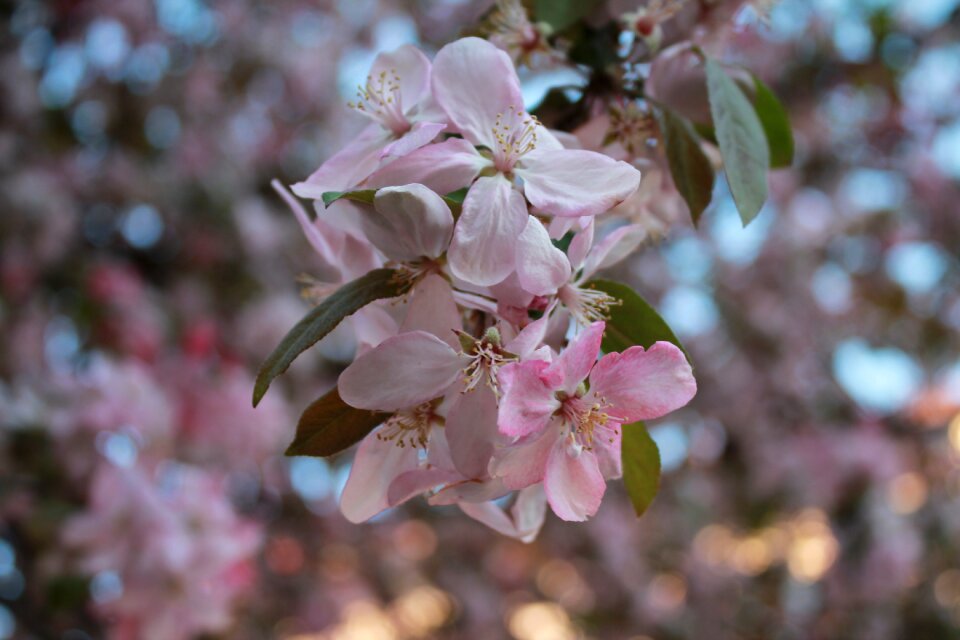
{"x":146,"y":268}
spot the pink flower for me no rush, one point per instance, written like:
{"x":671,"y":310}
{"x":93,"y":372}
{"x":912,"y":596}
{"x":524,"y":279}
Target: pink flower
{"x":396,"y":97}
{"x":444,"y":427}
{"x":476,"y":84}
{"x":180,"y":553}
{"x":568,"y":431}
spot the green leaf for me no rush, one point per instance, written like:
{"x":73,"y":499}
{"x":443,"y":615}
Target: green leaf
{"x":457,"y":196}
{"x":361,"y":195}
{"x":633,"y":321}
{"x":561,"y":14}
{"x":689,"y":166}
{"x":776,"y":124}
{"x":641,"y":465}
{"x":743,"y":144}
{"x":348,"y":299}
{"x":329,"y":425}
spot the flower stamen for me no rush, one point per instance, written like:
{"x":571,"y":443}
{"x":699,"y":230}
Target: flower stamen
{"x":380,"y":99}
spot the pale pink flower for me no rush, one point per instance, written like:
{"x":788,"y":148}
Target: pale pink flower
{"x":217,"y":423}
{"x":396,"y":97}
{"x":444,"y":427}
{"x":568,"y":432}
{"x":476,"y":84}
{"x":179,"y":550}
{"x":410,"y":447}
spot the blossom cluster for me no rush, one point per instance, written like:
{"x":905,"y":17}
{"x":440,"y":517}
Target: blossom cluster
{"x":486,"y":374}
{"x":149,"y":451}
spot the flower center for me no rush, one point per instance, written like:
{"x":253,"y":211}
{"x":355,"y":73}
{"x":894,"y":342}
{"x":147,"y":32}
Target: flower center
{"x":586,"y":419}
{"x":515,"y":134}
{"x":380,"y":100}
{"x":631,"y":127}
{"x":411,"y":427}
{"x":587,"y":305}
{"x":486,"y":358}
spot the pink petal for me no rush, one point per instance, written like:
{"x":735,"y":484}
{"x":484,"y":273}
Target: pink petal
{"x":606,"y":447}
{"x":529,"y":338}
{"x":443,"y":167}
{"x":420,"y":221}
{"x":433,"y":309}
{"x":541,"y":267}
{"x":580,"y":245}
{"x":613,"y":248}
{"x":375,"y":466}
{"x":413,"y":483}
{"x":471,"y":430}
{"x":528,"y":400}
{"x":509,"y":293}
{"x":524,"y":519}
{"x":401,"y":372}
{"x":642,"y":385}
{"x":322,"y":243}
{"x":529,"y":512}
{"x":348,"y":167}
{"x":574,"y":484}
{"x":525,"y":463}
{"x":473,"y":491}
{"x":572,"y":182}
{"x":371,"y":326}
{"x":484,"y":243}
{"x":474,"y":81}
{"x":490,"y":514}
{"x":420,"y":134}
{"x":411,"y":66}
{"x":575,"y":362}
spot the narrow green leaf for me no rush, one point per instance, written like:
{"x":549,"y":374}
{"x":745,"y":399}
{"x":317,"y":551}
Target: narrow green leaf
{"x":641,"y":465}
{"x":633,"y":321}
{"x":743,"y":144}
{"x":361,"y":195}
{"x":348,"y":299}
{"x":689,"y":166}
{"x":329,"y":425}
{"x":776,"y":124}
{"x":561,"y":14}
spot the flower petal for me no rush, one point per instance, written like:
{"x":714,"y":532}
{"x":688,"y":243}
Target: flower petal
{"x":371,"y":326}
{"x":572,"y":182}
{"x":471,"y":429}
{"x":573,"y":484}
{"x":642,"y":385}
{"x":376,"y":464}
{"x":529,"y":512}
{"x":525,"y":463}
{"x":541,"y":267}
{"x":413,"y":483}
{"x":421,"y":221}
{"x":484,"y":243}
{"x":413,"y":69}
{"x":420,"y":134}
{"x":347,"y":168}
{"x":529,"y":398}
{"x":474,"y":81}
{"x":442,"y":167}
{"x":580,"y":245}
{"x":433,"y":309}
{"x":524,"y":520}
{"x":613,"y":248}
{"x":529,"y":338}
{"x":574,"y":363}
{"x":401,"y":372}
